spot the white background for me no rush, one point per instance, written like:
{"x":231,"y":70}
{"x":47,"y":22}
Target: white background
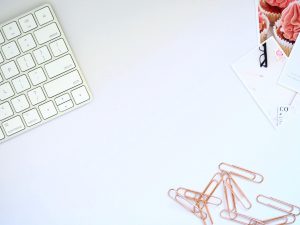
{"x":167,"y":110}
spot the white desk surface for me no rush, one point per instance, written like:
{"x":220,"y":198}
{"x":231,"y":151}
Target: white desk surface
{"x":167,"y":109}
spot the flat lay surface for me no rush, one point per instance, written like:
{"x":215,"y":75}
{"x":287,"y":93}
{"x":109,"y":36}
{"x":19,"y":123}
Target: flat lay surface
{"x":167,"y":109}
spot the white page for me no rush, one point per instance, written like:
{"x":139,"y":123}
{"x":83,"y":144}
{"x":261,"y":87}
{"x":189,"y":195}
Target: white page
{"x":274,"y":100}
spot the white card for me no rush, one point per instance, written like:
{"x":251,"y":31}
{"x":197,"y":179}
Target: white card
{"x":290,"y":76}
{"x":262,"y":82}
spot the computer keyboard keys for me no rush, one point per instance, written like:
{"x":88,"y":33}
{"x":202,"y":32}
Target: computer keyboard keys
{"x":21,"y":83}
{"x":11,"y":30}
{"x":20,"y":103}
{"x":44,"y":15}
{"x":59,"y":66}
{"x":37,"y":76}
{"x":27,"y":43}
{"x":62,"y":83}
{"x":80,"y":95}
{"x":13,"y":125}
{"x":36,"y":96}
{"x":5,"y":91}
{"x":47,"y":33}
{"x":10,"y":50}
{"x":42,"y":55}
{"x":58,"y":47}
{"x":5,"y":111}
{"x":25,"y":62}
{"x":27,"y":23}
{"x":9,"y":70}
{"x":48,"y":110}
{"x":31,"y":117}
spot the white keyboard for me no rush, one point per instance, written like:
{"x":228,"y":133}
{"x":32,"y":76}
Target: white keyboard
{"x":39,"y":76}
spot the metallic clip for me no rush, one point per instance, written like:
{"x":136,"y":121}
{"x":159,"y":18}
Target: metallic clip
{"x":208,"y":192}
{"x":281,"y":220}
{"x":229,"y":198}
{"x":278,"y":204}
{"x":211,"y":187}
{"x":194,"y":195}
{"x":240,"y":218}
{"x":188,"y":205}
{"x":241,"y":172}
{"x":238,"y":192}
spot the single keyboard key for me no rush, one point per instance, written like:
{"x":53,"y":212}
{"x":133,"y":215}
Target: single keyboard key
{"x":42,"y":55}
{"x":47,"y":33}
{"x":26,"y":62}
{"x":65,"y":106}
{"x":44,"y":15}
{"x":58,"y":47}
{"x":48,"y":110}
{"x":10,"y":50}
{"x":9,"y":70}
{"x":27,"y":43}
{"x":13,"y":125}
{"x":59,"y":66}
{"x":5,"y":91}
{"x":62,"y":83}
{"x":80,"y":95}
{"x":21,"y":83}
{"x":20,"y":103}
{"x":61,"y":99}
{"x":36,"y":96}
{"x":27,"y":23}
{"x":5,"y":111}
{"x":31,"y":117}
{"x":11,"y":30}
{"x":37,"y":76}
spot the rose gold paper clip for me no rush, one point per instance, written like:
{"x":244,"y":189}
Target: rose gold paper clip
{"x":194,"y":195}
{"x":281,"y":220}
{"x":229,"y":199}
{"x":241,"y":172}
{"x":278,"y":204}
{"x":240,"y":218}
{"x":188,"y":205}
{"x":238,"y":192}
{"x":211,"y":187}
{"x":208,"y":192}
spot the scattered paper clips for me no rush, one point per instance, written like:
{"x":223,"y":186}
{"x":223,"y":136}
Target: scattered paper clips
{"x":198,"y":202}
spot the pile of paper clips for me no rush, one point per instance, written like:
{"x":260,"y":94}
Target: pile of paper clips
{"x":198,"y":202}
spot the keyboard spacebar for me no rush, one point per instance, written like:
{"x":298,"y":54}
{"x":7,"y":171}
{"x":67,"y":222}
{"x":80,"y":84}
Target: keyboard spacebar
{"x":62,"y":83}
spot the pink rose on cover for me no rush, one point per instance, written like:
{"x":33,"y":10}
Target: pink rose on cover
{"x":279,"y":3}
{"x":290,"y":21}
